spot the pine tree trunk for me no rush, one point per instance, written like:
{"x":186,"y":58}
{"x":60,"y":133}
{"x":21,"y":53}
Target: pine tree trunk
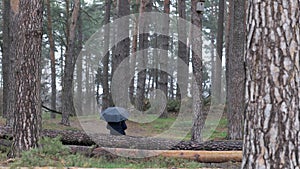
{"x":182,"y":70}
{"x":7,"y":65}
{"x":120,"y":89}
{"x":163,"y":59}
{"x":218,"y":63}
{"x":235,"y":75}
{"x":271,"y":135}
{"x":70,"y":59}
{"x":198,"y":121}
{"x":105,"y":97}
{"x":52,"y":58}
{"x":145,"y":6}
{"x":27,"y":39}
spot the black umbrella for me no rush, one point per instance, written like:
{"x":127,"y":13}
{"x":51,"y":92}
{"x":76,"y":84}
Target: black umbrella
{"x":114,"y":114}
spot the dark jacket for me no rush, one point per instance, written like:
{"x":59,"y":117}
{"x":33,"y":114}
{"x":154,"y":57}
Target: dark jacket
{"x":117,"y":128}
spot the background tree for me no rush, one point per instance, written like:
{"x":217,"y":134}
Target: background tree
{"x":122,"y":52}
{"x":182,"y":72}
{"x":271,"y":136}
{"x":105,"y":61}
{"x":216,"y":86}
{"x":52,"y":57}
{"x":145,"y":6}
{"x":235,"y":70}
{"x":198,"y":121}
{"x":7,"y":66}
{"x":27,"y":42}
{"x":70,"y":59}
{"x":163,"y":61}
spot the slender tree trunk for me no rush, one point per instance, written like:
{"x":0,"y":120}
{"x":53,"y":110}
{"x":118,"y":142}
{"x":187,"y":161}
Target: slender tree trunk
{"x":236,"y":70}
{"x":182,"y":70}
{"x":163,"y":61}
{"x":120,"y":90}
{"x":271,"y":135}
{"x":145,"y":6}
{"x":79,"y":64}
{"x":27,"y":42}
{"x":218,"y":63}
{"x":52,"y":58}
{"x":105,"y":61}
{"x":134,"y":50}
{"x":7,"y":64}
{"x":198,"y":121}
{"x":70,"y":59}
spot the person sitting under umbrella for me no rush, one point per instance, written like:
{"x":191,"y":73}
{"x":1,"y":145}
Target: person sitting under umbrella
{"x":115,"y":118}
{"x":117,"y":128}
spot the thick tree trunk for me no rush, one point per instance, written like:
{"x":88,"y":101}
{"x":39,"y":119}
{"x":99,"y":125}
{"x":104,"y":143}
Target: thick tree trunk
{"x":52,"y":58}
{"x":27,"y":42}
{"x":70,"y":59}
{"x":199,"y":118}
{"x":271,"y":135}
{"x":235,"y":75}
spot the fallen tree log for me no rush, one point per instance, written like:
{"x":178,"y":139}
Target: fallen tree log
{"x":200,"y":156}
{"x":70,"y":137}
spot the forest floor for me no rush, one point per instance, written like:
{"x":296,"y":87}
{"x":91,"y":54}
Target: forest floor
{"x":94,"y":124}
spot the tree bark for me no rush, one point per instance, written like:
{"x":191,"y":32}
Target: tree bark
{"x":70,"y":60}
{"x":120,"y":90}
{"x":52,"y":58}
{"x":145,"y":6}
{"x":235,"y":75}
{"x":198,"y":121}
{"x":218,"y":63}
{"x":27,"y":42}
{"x":69,"y":137}
{"x":105,"y":60}
{"x":8,"y":60}
{"x":163,"y":59}
{"x":271,"y":135}
{"x":182,"y":70}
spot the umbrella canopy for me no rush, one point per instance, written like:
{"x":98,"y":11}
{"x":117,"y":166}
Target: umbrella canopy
{"x":114,"y":114}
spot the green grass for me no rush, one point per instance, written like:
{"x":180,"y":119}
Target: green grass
{"x":53,"y":153}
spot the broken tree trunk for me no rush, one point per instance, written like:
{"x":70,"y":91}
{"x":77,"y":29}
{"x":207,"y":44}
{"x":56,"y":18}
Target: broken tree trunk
{"x":70,"y":137}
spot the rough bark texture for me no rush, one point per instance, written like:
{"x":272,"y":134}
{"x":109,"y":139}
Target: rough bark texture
{"x":145,"y":6}
{"x":27,"y":42}
{"x":197,"y":74}
{"x":70,"y":59}
{"x":235,"y":70}
{"x":271,"y":138}
{"x":182,"y":71}
{"x":52,"y":58}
